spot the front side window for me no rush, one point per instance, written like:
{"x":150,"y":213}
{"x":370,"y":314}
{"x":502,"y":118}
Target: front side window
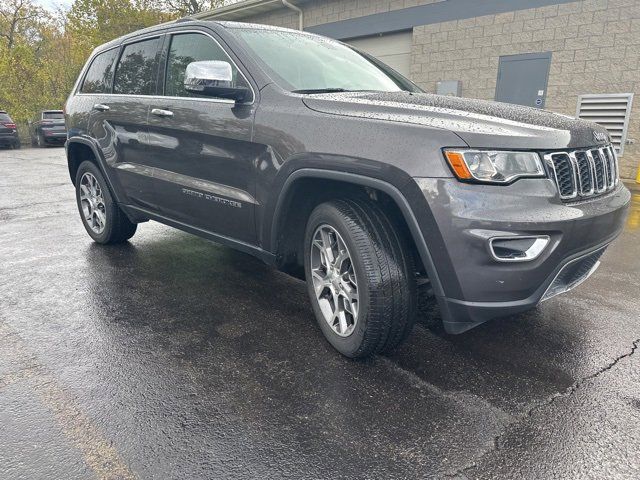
{"x":306,"y":63}
{"x":137,"y":69}
{"x":193,"y":47}
{"x":98,"y":78}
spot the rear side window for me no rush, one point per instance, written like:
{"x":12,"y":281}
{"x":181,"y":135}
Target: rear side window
{"x":193,"y":47}
{"x":137,"y":68}
{"x":100,"y":73}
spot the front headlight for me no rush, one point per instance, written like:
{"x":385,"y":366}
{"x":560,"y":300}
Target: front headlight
{"x":489,"y":166}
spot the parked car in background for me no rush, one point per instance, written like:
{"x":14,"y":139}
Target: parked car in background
{"x":8,"y":131}
{"x":48,"y":129}
{"x":324,"y":162}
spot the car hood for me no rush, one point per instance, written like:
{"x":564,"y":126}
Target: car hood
{"x":480,"y":123}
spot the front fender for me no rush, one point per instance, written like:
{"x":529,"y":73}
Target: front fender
{"x":401,"y":188}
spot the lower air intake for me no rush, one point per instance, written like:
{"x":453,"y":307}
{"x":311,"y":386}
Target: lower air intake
{"x":574,"y":273}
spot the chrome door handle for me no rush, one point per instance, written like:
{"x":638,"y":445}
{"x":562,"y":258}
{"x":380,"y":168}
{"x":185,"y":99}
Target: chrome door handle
{"x":162,"y":113}
{"x":101,"y":107}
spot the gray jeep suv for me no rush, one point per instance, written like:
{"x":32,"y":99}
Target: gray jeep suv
{"x":324,"y":162}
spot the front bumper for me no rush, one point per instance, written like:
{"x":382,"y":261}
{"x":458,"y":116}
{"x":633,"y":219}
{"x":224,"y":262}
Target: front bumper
{"x":476,"y":287}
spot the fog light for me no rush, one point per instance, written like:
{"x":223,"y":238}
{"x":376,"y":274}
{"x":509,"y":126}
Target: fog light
{"x":517,"y":248}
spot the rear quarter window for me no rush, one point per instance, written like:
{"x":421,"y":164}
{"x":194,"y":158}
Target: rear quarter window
{"x":100,"y":73}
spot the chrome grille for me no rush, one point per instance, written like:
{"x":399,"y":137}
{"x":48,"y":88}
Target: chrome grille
{"x":600,"y":170}
{"x":584,"y":173}
{"x":611,"y":167}
{"x":585,"y":176}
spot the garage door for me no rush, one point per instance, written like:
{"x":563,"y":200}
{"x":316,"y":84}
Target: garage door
{"x":393,"y":49}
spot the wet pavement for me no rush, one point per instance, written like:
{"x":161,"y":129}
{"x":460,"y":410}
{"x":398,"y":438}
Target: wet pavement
{"x":172,"y":357}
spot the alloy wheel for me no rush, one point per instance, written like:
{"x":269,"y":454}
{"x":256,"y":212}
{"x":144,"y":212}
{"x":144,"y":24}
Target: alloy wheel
{"x":92,"y":203}
{"x":334,"y":280}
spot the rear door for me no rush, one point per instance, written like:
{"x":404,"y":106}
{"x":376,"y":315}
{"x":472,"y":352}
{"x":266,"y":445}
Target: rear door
{"x":119,"y":116}
{"x":202,"y":146}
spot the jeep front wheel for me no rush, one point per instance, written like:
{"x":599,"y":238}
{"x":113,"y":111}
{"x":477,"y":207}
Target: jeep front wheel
{"x":360,"y":277}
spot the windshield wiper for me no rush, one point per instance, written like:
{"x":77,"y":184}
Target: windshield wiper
{"x":311,"y":91}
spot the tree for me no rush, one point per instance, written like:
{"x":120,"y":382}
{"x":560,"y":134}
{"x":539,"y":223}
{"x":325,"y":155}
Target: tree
{"x":94,"y":22}
{"x":42,"y":52}
{"x":19,"y":19}
{"x":189,"y":7}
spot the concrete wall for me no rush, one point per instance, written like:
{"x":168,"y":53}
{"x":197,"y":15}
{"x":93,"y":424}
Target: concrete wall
{"x":326,"y":11}
{"x":595,"y":47}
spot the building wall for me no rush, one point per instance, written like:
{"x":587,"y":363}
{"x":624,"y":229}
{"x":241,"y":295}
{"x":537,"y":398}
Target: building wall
{"x":318,"y":12}
{"x":595,"y":47}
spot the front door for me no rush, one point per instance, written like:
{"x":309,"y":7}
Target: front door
{"x":522,"y":79}
{"x":201,"y":147}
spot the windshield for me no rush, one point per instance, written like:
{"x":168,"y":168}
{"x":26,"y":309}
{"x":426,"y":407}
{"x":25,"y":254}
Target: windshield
{"x":311,"y":64}
{"x":52,"y":116}
{"x":4,"y":117}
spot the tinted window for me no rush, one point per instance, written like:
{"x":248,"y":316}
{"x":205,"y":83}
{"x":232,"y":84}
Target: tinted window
{"x":193,"y":47}
{"x":98,"y":78}
{"x":136,"y":71}
{"x":52,"y":115}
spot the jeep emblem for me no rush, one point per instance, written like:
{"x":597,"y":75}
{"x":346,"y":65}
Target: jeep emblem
{"x":600,"y":137}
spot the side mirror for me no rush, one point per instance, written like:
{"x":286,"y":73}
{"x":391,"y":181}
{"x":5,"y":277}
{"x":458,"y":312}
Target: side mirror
{"x":213,"y":78}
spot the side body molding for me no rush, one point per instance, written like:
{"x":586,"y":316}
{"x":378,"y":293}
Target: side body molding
{"x":391,"y":190}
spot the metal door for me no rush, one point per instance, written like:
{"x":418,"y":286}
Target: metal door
{"x":392,"y":49}
{"x":522,"y":79}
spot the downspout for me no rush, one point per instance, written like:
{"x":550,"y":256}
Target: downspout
{"x":296,"y":9}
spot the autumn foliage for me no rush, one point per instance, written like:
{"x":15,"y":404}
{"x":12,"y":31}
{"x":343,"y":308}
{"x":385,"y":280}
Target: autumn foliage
{"x":42,"y":51}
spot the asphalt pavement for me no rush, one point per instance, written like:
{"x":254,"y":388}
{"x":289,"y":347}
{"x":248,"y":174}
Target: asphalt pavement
{"x":171,"y":357}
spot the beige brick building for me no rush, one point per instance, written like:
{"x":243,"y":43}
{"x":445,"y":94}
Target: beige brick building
{"x":574,"y":48}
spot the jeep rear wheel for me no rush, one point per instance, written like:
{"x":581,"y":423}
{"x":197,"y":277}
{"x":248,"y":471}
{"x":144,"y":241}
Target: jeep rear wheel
{"x":101,"y":216}
{"x":359,"y":277}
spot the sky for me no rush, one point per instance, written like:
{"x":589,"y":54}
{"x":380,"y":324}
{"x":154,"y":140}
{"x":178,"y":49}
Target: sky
{"x":52,"y":4}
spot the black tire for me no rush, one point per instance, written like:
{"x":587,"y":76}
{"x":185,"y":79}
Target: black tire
{"x":118,"y":228}
{"x":16,"y":145}
{"x":383,"y":265}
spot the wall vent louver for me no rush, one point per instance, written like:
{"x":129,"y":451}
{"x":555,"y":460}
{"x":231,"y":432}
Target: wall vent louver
{"x":612,"y":111}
